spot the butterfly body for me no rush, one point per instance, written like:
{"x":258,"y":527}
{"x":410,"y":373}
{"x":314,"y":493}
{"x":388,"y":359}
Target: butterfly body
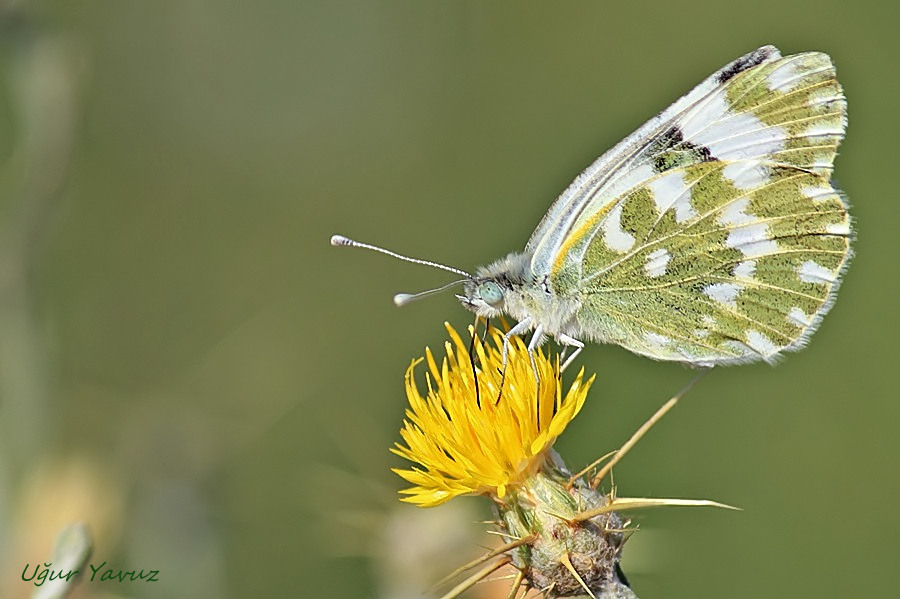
{"x":711,"y":235}
{"x":509,"y":286}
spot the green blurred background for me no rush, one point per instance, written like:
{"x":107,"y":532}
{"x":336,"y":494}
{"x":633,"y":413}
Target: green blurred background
{"x":188,"y":366}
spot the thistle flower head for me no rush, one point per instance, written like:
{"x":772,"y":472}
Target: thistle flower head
{"x":466,"y":435}
{"x":487,"y":426}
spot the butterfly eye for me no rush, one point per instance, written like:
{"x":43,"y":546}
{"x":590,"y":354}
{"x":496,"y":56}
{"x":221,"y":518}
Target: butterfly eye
{"x":491,"y":293}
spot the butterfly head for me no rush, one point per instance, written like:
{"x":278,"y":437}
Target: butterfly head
{"x":489,"y":292}
{"x":484,"y":296}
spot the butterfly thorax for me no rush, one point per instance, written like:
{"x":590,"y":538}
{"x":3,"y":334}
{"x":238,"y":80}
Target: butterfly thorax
{"x":509,"y":286}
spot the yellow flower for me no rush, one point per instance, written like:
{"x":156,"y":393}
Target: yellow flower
{"x":487,"y":442}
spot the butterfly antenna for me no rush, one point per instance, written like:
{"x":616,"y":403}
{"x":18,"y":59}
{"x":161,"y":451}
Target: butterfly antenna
{"x":340,"y":240}
{"x":401,"y":299}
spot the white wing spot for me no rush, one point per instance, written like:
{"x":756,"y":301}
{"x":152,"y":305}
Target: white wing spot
{"x":735,"y":213}
{"x":813,"y":272}
{"x":746,"y":174}
{"x":841,"y":228}
{"x":669,"y":191}
{"x":701,"y":333}
{"x":760,"y":343}
{"x":731,"y":135}
{"x":824,"y":129}
{"x":743,"y":350}
{"x":786,"y":76}
{"x":656,"y":340}
{"x":818,"y":194}
{"x":752,"y":240}
{"x":798,"y":317}
{"x":657,"y":261}
{"x":614,"y":235}
{"x":745,"y":269}
{"x":623,"y":182}
{"x":724,"y":293}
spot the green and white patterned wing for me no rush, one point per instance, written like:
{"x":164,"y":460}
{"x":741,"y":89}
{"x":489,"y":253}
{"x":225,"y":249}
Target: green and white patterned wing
{"x":712,"y":235}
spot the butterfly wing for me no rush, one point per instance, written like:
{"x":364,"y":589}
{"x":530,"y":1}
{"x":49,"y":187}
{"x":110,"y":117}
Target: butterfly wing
{"x":626,"y":164}
{"x":712,"y":234}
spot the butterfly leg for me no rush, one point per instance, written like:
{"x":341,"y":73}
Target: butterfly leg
{"x":570,"y":342}
{"x":520,"y":328}
{"x":536,"y":339}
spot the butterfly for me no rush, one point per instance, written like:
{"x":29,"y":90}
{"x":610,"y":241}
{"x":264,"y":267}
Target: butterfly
{"x":711,"y":235}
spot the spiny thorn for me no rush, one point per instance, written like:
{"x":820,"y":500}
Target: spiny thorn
{"x":564,"y":560}
{"x":517,"y":583}
{"x":633,"y":503}
{"x":595,"y":482}
{"x":588,"y":468}
{"x":474,"y":578}
{"x":480,"y":560}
